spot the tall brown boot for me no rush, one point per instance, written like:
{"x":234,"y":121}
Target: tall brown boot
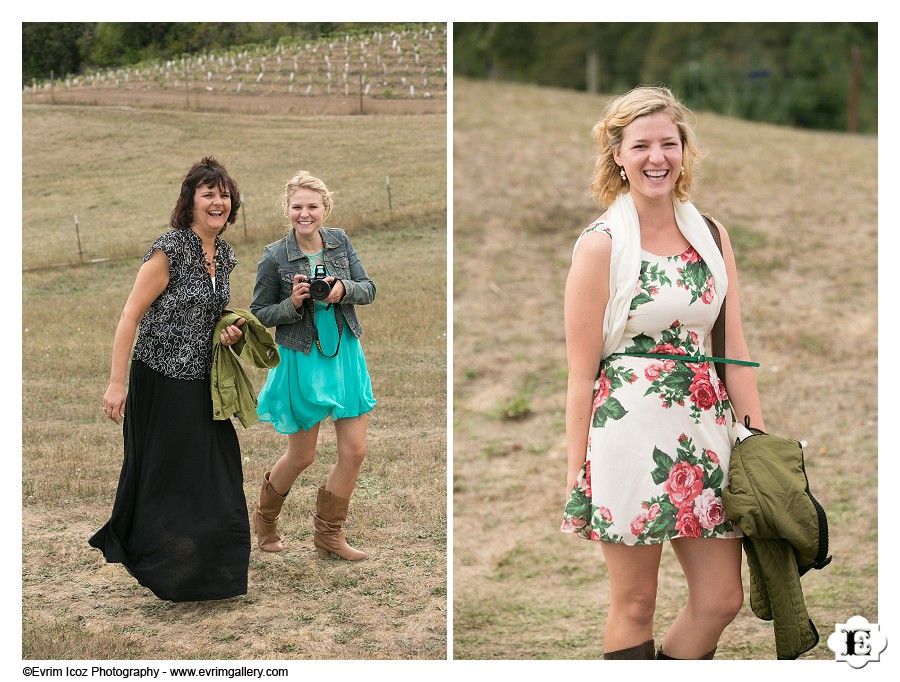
{"x":331,"y":513}
{"x":642,"y":652}
{"x":265,"y":517}
{"x":660,"y":656}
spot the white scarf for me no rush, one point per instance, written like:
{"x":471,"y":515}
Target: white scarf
{"x":625,"y":261}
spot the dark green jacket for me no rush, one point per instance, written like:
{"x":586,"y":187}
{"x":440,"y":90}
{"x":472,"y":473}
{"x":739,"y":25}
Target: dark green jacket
{"x":232,"y":392}
{"x":785,"y":534}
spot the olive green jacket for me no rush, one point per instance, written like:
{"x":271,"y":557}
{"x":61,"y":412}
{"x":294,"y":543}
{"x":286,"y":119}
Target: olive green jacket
{"x":785,"y":533}
{"x":232,"y":392}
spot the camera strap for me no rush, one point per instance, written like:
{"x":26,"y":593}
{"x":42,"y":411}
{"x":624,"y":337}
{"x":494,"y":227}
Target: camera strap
{"x":340,"y":328}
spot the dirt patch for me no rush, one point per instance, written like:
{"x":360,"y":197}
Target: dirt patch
{"x":335,"y":105}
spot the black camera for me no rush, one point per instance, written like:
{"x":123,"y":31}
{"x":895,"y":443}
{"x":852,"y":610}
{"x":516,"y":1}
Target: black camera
{"x":319,"y":288}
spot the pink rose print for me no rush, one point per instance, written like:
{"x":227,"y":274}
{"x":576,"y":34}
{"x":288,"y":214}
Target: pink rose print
{"x":668,"y":349}
{"x":653,"y":371}
{"x":713,"y":457}
{"x":668,"y":365}
{"x":685,"y":482}
{"x":694,"y":338}
{"x":637,"y":526}
{"x":703,"y":395}
{"x":690,"y":255}
{"x":708,"y":296}
{"x":682,"y":439}
{"x":687,"y":524}
{"x":720,"y":390}
{"x":653,"y":511}
{"x":605,"y":513}
{"x":603,"y":390}
{"x":573,"y":525}
{"x":632,"y":378}
{"x":595,"y":536}
{"x":587,"y":478}
{"x":708,"y":510}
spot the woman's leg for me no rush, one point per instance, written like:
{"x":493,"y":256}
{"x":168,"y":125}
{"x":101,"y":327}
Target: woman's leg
{"x":633,"y":573}
{"x":300,"y":453}
{"x":351,"y":450}
{"x":715,"y":595}
{"x":333,"y":499}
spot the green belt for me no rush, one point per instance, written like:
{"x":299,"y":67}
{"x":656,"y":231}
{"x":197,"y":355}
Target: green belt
{"x":686,"y":358}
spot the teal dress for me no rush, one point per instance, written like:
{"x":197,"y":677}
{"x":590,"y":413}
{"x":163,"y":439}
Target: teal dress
{"x":305,"y":389}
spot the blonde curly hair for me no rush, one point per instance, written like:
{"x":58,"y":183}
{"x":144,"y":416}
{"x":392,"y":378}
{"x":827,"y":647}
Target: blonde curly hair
{"x":303,"y":180}
{"x":606,"y":183}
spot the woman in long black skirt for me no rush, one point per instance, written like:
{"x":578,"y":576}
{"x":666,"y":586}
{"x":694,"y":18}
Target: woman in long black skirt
{"x":179,"y":522}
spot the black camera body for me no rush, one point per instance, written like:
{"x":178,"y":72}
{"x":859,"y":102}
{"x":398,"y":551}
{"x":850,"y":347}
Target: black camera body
{"x":319,"y":287}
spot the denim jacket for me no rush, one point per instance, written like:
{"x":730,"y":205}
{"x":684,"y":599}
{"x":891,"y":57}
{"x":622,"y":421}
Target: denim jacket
{"x":272,"y":305}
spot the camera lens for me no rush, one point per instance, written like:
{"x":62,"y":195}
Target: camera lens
{"x":319,"y":289}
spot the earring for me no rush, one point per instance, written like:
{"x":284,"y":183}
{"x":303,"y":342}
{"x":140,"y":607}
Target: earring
{"x":682,"y":170}
{"x":622,"y":174}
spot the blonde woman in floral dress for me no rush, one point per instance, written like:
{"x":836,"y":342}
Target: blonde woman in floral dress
{"x":648,"y":433}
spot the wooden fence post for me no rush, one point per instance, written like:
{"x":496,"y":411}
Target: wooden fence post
{"x":390,"y":204}
{"x":78,"y":237}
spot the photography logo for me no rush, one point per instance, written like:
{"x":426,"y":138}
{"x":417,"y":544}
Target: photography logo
{"x":857,"y":642}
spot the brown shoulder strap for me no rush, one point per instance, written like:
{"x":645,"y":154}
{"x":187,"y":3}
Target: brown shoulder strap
{"x":718,"y":330}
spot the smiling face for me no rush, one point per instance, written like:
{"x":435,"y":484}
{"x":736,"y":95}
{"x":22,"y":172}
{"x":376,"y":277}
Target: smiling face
{"x":306,"y":210}
{"x":212,"y":205}
{"x":651,"y":156}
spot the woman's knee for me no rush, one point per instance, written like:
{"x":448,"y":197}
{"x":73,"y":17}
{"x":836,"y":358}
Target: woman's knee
{"x":637,"y":605}
{"x":299,"y":459}
{"x":733,"y":603}
{"x":352,"y":456}
{"x":722,"y":605}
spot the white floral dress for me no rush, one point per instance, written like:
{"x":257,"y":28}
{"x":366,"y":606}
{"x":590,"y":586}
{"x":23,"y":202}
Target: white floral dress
{"x":659,"y":441}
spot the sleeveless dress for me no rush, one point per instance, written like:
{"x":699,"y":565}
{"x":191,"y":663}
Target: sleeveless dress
{"x":306,"y":388}
{"x":660,"y":434}
{"x":179,"y":521}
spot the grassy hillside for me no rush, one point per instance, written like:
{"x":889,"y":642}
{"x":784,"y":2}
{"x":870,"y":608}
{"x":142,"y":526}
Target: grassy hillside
{"x":800,"y":209}
{"x":120,"y":171}
{"x":408,"y":64}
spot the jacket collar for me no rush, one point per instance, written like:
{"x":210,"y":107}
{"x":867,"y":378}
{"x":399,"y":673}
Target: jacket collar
{"x":293,"y":251}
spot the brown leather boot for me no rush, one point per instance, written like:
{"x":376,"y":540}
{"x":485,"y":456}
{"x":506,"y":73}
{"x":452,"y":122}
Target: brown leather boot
{"x":642,"y":652}
{"x":265,"y":517}
{"x":331,"y":513}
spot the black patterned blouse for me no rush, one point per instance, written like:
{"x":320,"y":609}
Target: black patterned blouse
{"x":175,"y":334}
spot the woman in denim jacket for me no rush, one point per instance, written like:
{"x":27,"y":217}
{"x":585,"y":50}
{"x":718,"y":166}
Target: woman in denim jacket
{"x":307,"y":285}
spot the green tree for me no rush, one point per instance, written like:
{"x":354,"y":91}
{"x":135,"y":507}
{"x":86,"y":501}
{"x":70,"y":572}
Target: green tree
{"x":52,"y":49}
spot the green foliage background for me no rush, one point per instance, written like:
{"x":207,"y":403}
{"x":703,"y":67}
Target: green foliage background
{"x":55,"y":49}
{"x":795,"y":74}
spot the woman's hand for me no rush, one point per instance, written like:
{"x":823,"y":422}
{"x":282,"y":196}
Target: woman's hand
{"x":232,"y":333}
{"x":338,"y":291}
{"x":114,"y":401}
{"x":300,"y":290}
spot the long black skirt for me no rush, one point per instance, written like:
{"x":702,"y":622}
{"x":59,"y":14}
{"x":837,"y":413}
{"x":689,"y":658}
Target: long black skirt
{"x":179,"y":523}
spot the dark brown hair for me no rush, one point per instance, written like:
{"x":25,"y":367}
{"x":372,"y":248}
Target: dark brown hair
{"x":207,"y":173}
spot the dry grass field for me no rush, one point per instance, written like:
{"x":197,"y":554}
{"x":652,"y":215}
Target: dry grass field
{"x":119,"y":170}
{"x":800,"y":207}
